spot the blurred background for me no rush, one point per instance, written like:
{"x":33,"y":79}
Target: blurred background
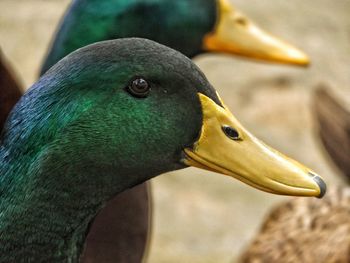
{"x":200,"y":216}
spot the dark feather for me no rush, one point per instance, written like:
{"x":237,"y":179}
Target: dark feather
{"x":333,"y":121}
{"x":10,"y":91}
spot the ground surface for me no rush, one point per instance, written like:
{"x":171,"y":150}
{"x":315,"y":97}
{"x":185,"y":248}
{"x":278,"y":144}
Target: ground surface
{"x":200,"y":216}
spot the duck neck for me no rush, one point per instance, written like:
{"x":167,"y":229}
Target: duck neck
{"x":47,"y":205}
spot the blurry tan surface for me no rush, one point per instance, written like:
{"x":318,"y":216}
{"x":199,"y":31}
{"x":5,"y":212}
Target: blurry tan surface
{"x":200,"y":216}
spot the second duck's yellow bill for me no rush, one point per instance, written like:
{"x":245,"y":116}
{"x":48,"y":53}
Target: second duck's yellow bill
{"x":237,"y":34}
{"x":224,"y":146}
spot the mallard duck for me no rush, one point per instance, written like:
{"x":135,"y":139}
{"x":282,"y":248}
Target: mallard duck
{"x":305,"y":230}
{"x":333,"y":121}
{"x":191,"y":27}
{"x":10,"y":90}
{"x":105,"y":118}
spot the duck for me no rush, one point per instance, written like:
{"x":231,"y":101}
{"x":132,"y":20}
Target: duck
{"x":10,"y":89}
{"x":191,"y":27}
{"x":332,"y":120}
{"x":136,"y":109}
{"x":305,"y":230}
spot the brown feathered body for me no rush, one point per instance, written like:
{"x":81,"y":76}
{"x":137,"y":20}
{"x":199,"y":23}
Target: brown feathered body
{"x":305,"y":230}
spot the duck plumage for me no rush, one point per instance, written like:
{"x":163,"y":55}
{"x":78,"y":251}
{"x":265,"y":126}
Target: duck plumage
{"x":305,"y":230}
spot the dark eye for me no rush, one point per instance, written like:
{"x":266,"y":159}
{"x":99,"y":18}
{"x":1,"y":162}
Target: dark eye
{"x":231,"y":132}
{"x":241,"y":21}
{"x":139,"y":88}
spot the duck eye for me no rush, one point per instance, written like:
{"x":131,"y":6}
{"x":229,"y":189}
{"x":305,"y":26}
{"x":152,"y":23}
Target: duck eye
{"x":139,"y":88}
{"x":241,"y":21}
{"x":231,"y":132}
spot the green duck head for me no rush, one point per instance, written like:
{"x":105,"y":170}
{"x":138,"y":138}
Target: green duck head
{"x":107,"y":117}
{"x":136,"y":108}
{"x":189,"y":26}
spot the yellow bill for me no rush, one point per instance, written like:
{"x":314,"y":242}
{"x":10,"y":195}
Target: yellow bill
{"x":237,"y":34}
{"x":225,"y":147}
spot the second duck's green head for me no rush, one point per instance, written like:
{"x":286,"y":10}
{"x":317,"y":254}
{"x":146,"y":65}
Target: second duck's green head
{"x":189,"y":26}
{"x":119,"y":112}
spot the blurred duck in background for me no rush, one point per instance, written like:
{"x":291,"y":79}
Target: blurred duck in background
{"x":305,"y":230}
{"x":189,"y":26}
{"x":192,"y":27}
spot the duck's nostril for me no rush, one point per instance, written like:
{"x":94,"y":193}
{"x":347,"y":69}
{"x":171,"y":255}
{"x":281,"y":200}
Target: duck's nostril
{"x":321,"y":184}
{"x":230,"y":132}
